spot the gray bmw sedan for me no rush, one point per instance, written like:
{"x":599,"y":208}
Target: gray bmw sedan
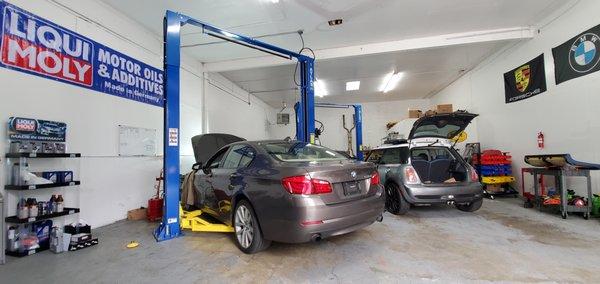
{"x":287,"y":191}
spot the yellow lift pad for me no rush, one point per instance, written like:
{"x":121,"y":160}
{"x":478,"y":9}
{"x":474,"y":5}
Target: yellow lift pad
{"x":497,"y":179}
{"x":192,"y":220}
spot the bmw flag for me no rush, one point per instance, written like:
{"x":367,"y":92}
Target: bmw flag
{"x":578,"y":56}
{"x":525,"y":81}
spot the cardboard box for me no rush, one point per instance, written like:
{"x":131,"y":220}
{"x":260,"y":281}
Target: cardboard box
{"x":430,"y":113}
{"x":136,"y":214}
{"x":445,"y":108}
{"x":414,"y":113}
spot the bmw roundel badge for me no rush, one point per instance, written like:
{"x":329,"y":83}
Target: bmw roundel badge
{"x":584,"y":54}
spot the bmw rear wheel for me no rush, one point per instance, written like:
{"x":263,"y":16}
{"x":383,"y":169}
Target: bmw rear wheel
{"x":248,"y":235}
{"x":394,"y":201}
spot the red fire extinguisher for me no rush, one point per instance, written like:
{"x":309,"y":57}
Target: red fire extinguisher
{"x":540,"y":140}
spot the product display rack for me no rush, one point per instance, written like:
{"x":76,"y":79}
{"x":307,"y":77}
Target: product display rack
{"x":16,"y":220}
{"x":43,"y":155}
{"x":41,"y":186}
{"x":17,"y":191}
{"x":26,"y":252}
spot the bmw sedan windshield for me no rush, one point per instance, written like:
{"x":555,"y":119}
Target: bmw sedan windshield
{"x":301,"y":152}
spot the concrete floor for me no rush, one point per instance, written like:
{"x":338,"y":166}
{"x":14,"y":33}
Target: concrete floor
{"x":501,"y":242}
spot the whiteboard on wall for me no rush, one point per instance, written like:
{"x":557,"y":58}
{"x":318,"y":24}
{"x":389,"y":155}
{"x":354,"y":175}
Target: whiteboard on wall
{"x":137,"y":141}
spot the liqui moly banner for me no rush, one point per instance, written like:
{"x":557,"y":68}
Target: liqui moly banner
{"x":36,"y":46}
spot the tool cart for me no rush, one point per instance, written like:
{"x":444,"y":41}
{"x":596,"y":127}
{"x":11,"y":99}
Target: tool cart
{"x":560,"y":166}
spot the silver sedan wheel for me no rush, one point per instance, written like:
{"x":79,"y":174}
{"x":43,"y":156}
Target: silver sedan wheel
{"x":244,"y":229}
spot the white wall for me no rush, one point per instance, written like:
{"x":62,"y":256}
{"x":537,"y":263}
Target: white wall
{"x":230,"y":109}
{"x":227,"y":109}
{"x":111,"y":185}
{"x":375,"y":117}
{"x":567,"y":113}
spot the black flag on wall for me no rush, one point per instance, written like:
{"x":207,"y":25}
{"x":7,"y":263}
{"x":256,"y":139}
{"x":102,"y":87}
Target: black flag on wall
{"x":578,"y":56}
{"x":525,"y":81}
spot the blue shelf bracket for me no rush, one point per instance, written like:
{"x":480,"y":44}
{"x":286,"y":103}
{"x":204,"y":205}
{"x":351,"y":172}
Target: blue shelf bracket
{"x":173,"y":22}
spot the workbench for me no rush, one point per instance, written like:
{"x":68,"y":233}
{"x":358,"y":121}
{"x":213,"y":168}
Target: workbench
{"x":560,"y":175}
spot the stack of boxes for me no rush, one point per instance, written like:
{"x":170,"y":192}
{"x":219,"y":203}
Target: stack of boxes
{"x":81,"y":236}
{"x":417,"y":113}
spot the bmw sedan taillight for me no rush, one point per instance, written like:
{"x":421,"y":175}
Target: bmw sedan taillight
{"x":375,"y":178}
{"x":306,"y":185}
{"x":410,"y":175}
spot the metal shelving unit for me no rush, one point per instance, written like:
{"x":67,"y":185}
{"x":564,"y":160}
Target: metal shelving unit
{"x":17,"y":191}
{"x":43,"y":155}
{"x":41,"y":186}
{"x":17,"y":220}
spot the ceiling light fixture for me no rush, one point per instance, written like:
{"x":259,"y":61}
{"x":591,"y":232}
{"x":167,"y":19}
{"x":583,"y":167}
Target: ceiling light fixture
{"x":335,"y":22}
{"x":352,"y":85}
{"x":274,"y":1}
{"x":320,"y":90}
{"x":390,"y":81}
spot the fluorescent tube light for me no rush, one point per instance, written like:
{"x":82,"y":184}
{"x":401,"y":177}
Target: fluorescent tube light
{"x":390,"y":81}
{"x":320,"y":90}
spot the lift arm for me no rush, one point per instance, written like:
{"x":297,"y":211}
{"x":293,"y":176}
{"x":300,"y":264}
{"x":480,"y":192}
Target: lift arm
{"x":170,"y":225}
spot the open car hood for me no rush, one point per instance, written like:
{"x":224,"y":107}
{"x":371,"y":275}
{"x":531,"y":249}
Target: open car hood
{"x":206,"y":145}
{"x":444,"y":125}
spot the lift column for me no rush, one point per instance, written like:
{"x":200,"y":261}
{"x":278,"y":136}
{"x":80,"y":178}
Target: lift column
{"x":359,"y":135}
{"x":305,"y":114}
{"x":169,"y":227}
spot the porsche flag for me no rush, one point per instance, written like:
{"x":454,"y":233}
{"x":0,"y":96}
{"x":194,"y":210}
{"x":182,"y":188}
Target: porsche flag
{"x":525,"y":81}
{"x":578,"y":56}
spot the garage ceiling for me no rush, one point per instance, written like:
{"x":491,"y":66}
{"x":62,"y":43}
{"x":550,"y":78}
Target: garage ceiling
{"x":364,"y":22}
{"x":426,"y":71}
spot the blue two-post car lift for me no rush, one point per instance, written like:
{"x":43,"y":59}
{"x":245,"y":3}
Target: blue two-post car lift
{"x":357,"y":122}
{"x":170,"y":226}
